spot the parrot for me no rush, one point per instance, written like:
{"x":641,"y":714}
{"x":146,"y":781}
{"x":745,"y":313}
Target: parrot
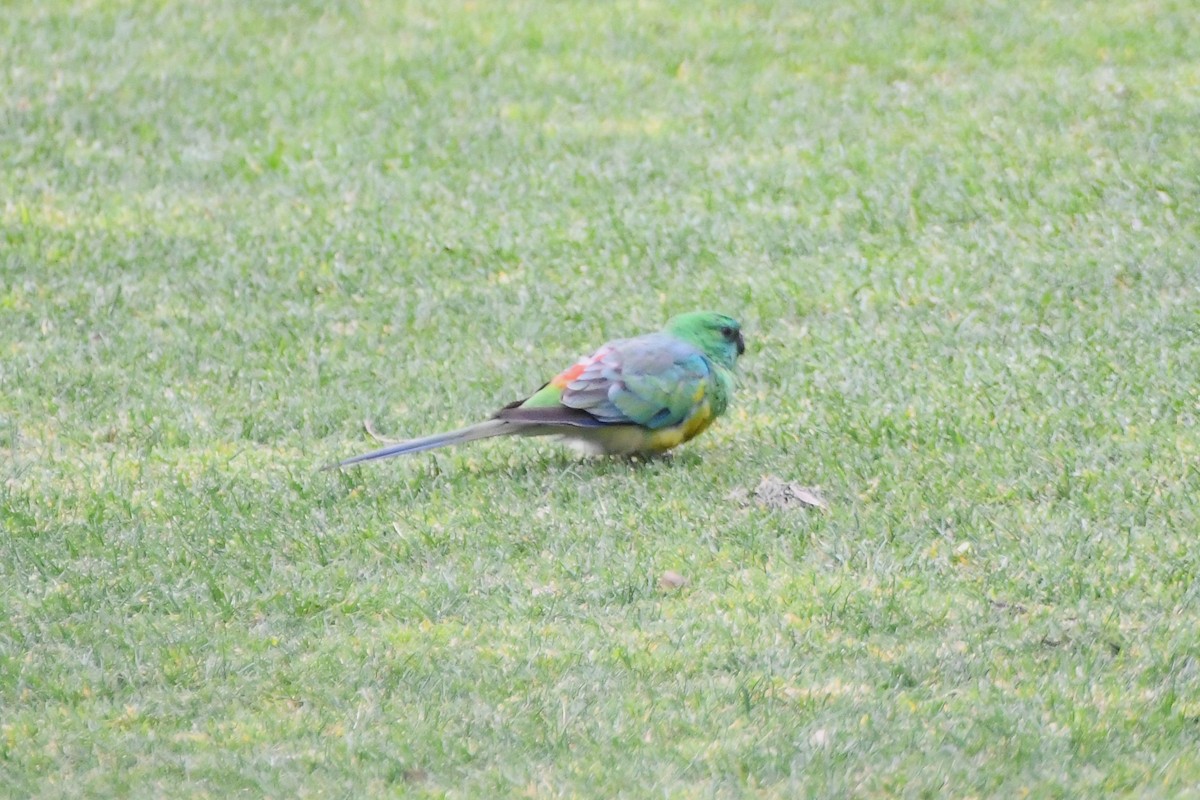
{"x":637,"y":396}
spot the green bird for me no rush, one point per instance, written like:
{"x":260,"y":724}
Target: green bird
{"x":642,"y":395}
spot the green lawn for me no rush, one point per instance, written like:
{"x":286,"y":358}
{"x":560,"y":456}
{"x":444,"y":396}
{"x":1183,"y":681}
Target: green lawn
{"x":963,"y":239}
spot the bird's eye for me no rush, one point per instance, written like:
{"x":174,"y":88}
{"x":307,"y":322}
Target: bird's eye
{"x":727,"y":332}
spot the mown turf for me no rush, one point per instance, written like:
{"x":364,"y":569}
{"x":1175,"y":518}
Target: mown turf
{"x":962,"y":238}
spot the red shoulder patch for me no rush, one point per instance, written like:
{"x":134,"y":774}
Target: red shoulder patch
{"x":566,"y":376}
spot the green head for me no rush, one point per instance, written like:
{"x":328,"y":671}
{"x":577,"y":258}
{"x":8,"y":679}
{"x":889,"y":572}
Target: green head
{"x":719,"y":336}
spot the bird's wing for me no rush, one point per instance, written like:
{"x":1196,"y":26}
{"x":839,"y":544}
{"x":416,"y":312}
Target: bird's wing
{"x":654,"y":381}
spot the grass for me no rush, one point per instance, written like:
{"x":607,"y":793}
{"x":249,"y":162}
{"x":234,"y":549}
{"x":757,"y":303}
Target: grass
{"x":962,"y":239}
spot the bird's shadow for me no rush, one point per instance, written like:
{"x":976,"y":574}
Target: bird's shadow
{"x":669,"y":459}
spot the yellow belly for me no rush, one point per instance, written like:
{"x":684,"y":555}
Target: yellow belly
{"x":666,"y":438}
{"x":630,"y":439}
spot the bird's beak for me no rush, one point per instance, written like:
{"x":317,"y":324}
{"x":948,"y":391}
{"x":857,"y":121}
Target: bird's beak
{"x":741,"y":343}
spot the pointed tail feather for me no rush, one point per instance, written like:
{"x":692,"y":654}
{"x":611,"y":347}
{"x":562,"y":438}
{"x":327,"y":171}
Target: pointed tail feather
{"x":483,"y":430}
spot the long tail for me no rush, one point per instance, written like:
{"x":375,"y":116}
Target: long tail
{"x":482,"y":430}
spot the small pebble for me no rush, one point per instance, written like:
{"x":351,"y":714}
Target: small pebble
{"x":672,"y":580}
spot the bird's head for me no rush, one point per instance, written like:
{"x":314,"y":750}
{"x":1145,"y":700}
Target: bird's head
{"x":719,"y":336}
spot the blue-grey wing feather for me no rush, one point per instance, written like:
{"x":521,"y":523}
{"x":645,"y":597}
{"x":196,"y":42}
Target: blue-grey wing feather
{"x":648,"y":381}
